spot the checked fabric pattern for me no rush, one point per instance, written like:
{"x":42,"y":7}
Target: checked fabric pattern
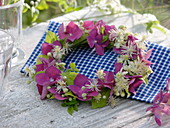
{"x":89,"y":62}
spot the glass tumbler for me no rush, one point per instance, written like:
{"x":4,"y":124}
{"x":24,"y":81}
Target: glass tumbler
{"x":11,"y":21}
{"x":6,"y":47}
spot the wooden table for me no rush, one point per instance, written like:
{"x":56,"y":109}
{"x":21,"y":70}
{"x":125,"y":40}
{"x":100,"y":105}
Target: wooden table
{"x":22,"y":108}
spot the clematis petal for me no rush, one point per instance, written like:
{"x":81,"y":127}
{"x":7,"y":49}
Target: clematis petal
{"x":88,"y":25}
{"x":118,"y":67}
{"x":90,"y":41}
{"x":76,"y":89}
{"x":42,"y":79}
{"x":168,"y":85}
{"x":53,"y":72}
{"x":148,"y":54}
{"x":59,"y":97}
{"x":57,"y":43}
{"x":87,"y":98}
{"x":166,"y":109}
{"x":105,"y":44}
{"x":40,"y":88}
{"x":158,"y":121}
{"x":135,"y":76}
{"x":135,"y":84}
{"x":158,"y":97}
{"x":40,"y":67}
{"x":99,"y":49}
{"x":52,"y":90}
{"x":118,"y":50}
{"x":77,"y":33}
{"x":132,"y":81}
{"x":44,"y":92}
{"x":109,"y":77}
{"x":80,"y":80}
{"x":46,"y":47}
{"x":70,"y":27}
{"x":165,"y":98}
{"x":61,"y":33}
{"x":94,"y":93}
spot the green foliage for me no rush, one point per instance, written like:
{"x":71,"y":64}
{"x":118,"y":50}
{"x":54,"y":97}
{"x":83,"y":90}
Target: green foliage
{"x":103,"y":101}
{"x":70,"y":77}
{"x":72,"y":106}
{"x":50,"y":37}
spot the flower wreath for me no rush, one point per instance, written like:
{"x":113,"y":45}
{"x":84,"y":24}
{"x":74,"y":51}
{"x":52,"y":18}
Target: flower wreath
{"x":55,"y":81}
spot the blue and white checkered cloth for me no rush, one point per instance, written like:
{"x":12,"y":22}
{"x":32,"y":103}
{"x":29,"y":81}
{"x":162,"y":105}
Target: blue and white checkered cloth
{"x":89,"y":62}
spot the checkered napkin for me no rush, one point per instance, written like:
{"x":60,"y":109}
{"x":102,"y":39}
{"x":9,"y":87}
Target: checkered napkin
{"x":89,"y":62}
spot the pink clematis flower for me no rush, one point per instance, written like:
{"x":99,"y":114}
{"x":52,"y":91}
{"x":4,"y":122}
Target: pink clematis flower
{"x":80,"y":90}
{"x":47,"y":47}
{"x":95,"y":39}
{"x":45,"y":64}
{"x":49,"y":77}
{"x":57,"y":95}
{"x":108,"y":81}
{"x":118,"y":67}
{"x":134,"y":82}
{"x":145,"y":56}
{"x":71,"y":33}
{"x":160,"y":106}
{"x":88,"y":25}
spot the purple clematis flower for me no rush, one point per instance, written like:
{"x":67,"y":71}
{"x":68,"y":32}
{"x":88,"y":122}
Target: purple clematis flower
{"x":45,"y":64}
{"x":57,"y":95}
{"x":134,"y":82}
{"x":131,"y":38}
{"x":88,"y":25}
{"x":118,"y":67}
{"x":108,"y":81}
{"x":95,"y":39}
{"x":160,"y":106}
{"x":144,"y":57}
{"x":42,"y":91}
{"x":71,"y":33}
{"x":80,"y":90}
{"x":49,"y":77}
{"x":47,"y":47}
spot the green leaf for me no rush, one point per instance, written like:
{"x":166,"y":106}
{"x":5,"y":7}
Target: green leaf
{"x":75,"y":107}
{"x":70,"y":110}
{"x":76,"y":70}
{"x":43,"y":56}
{"x":25,"y":8}
{"x":70,"y":77}
{"x":145,"y":79}
{"x":50,"y":37}
{"x":103,"y":101}
{"x":70,"y":94}
{"x":42,"y":5}
{"x":104,"y":38}
{"x":72,"y":65}
{"x":38,"y":61}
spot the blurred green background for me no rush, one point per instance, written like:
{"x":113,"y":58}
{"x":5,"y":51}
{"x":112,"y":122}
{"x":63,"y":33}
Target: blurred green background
{"x":36,"y":11}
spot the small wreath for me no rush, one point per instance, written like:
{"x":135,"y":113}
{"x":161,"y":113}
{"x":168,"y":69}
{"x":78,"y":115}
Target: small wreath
{"x":55,"y":81}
